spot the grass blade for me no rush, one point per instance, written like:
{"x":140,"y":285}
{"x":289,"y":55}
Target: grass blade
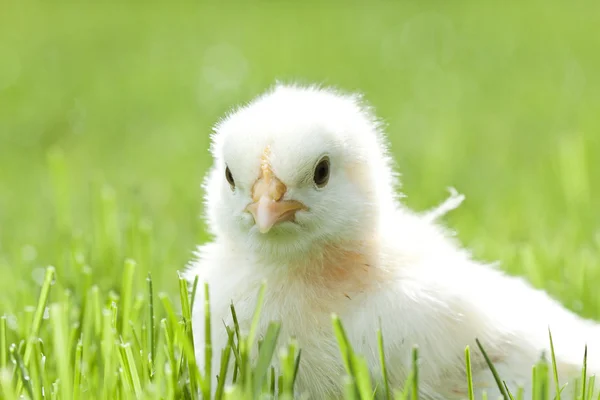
{"x":346,"y":351}
{"x":415,"y":376}
{"x":151,"y":325}
{"x":499,"y":382}
{"x":3,"y":343}
{"x":265,"y":355}
{"x":133,"y":372}
{"x":554,"y":367}
{"x":77,"y":370}
{"x":469,"y":373}
{"x":23,"y":373}
{"x":207,"y":339}
{"x":343,"y":343}
{"x":58,"y":319}
{"x":388,"y":393}
{"x":225,"y":355}
{"x":257,"y":311}
{"x":296,"y":366}
{"x":584,"y":374}
{"x":39,"y":312}
{"x":194,"y":289}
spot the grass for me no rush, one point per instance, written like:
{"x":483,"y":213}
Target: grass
{"x":105,"y":112}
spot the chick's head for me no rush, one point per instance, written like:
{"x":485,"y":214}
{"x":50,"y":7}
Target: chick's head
{"x":295,"y":169}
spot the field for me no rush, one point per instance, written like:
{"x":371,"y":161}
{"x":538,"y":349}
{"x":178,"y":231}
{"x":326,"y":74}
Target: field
{"x":105,"y":116}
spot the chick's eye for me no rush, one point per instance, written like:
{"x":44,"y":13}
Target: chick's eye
{"x":229,"y":177}
{"x":321,"y":176}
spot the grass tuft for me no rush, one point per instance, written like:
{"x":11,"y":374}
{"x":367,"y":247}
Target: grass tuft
{"x":87,"y":352}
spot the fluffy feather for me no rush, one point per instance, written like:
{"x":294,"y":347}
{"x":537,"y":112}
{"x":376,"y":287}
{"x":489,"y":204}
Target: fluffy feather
{"x":358,"y":252}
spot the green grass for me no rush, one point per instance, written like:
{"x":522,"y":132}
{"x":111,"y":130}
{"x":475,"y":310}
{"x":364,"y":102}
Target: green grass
{"x":105,"y":112}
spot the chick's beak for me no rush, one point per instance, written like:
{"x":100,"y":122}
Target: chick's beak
{"x":268,"y":207}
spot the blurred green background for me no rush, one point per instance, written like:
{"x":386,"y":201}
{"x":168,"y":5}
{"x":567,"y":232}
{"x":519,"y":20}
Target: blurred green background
{"x":106,"y":109}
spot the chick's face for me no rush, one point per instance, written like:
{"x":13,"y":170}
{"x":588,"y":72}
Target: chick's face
{"x":289,"y":175}
{"x":295,"y":170}
{"x":284,"y":199}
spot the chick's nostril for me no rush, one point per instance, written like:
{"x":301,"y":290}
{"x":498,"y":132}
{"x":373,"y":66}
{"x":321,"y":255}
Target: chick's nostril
{"x":272,"y":188}
{"x":277,"y":189}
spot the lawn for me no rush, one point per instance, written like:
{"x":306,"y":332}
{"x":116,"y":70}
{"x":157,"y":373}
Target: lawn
{"x":105,"y":116}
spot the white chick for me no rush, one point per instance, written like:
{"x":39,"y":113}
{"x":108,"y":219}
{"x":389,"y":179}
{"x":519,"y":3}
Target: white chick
{"x":302,"y":194}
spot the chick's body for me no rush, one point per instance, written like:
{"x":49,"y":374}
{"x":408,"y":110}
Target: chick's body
{"x":352,"y":249}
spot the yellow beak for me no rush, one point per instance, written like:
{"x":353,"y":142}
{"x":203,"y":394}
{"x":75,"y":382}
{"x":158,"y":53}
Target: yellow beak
{"x":268,"y":207}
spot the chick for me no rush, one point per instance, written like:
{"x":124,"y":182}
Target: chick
{"x":303,"y":195}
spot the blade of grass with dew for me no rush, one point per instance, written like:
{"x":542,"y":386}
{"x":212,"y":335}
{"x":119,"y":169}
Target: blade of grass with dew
{"x":39,"y":312}
{"x":144,"y":355}
{"x":112,"y":304}
{"x":35,"y":374}
{"x":124,"y":373}
{"x":499,"y":382}
{"x":45,"y":378}
{"x":22,"y":371}
{"x":132,"y":369}
{"x":135,"y":338}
